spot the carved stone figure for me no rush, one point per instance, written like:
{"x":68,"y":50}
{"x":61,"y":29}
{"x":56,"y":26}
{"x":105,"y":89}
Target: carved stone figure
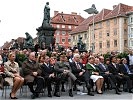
{"x":46,"y":20}
{"x":15,"y":45}
{"x":28,"y":41}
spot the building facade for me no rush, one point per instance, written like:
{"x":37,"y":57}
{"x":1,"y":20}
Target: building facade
{"x":65,"y":23}
{"x":111,"y":30}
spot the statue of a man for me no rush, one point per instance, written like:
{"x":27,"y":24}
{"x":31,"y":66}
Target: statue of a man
{"x":80,"y":44}
{"x":46,"y":19}
{"x":28,"y":40}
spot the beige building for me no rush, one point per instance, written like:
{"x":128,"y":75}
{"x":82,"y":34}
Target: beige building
{"x":111,"y":30}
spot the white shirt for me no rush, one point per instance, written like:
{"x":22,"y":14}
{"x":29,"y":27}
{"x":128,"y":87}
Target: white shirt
{"x":130,"y":59}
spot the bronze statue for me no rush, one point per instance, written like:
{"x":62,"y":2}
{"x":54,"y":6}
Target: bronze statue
{"x":46,"y":20}
{"x":28,"y":41}
{"x":80,"y":44}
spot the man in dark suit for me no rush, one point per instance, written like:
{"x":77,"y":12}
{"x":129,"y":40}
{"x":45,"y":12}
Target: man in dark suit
{"x":120,"y":78}
{"x":124,"y":69}
{"x":48,"y":72}
{"x":79,"y":71}
{"x":32,"y":75}
{"x":108,"y":77}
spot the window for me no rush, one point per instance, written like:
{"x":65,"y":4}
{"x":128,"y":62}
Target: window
{"x":57,"y":39}
{"x":63,"y":40}
{"x":100,"y":34}
{"x":107,"y":34}
{"x":69,"y":40}
{"x":63,"y":32}
{"x":108,"y":44}
{"x":107,"y":23}
{"x":115,"y":43}
{"x":73,"y":37}
{"x":57,"y":32}
{"x":115,"y":21}
{"x":69,"y":27}
{"x":125,"y":31}
{"x":100,"y":25}
{"x":63,"y":26}
{"x":58,"y":26}
{"x":131,"y":43}
{"x":125,"y":21}
{"x":85,"y":36}
{"x":131,"y":30}
{"x":131,"y":19}
{"x":100,"y":45}
{"x":115,"y":31}
{"x":125,"y":43}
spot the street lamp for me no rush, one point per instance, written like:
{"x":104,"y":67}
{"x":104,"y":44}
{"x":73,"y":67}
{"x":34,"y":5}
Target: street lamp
{"x":93,"y":11}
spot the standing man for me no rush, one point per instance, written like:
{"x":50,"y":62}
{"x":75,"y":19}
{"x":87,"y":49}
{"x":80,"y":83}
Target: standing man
{"x":32,"y":75}
{"x":130,"y":60}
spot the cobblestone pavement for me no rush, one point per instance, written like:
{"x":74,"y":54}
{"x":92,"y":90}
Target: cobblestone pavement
{"x":107,"y":95}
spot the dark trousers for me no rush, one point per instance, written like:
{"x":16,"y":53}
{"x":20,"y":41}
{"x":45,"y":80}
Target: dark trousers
{"x":127,"y":80}
{"x":39,"y":82}
{"x":85,"y":78}
{"x":55,"y":81}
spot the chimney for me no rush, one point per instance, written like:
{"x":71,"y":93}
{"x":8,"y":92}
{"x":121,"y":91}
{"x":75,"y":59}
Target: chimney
{"x":55,"y":13}
{"x":114,"y":6}
{"x":73,"y":13}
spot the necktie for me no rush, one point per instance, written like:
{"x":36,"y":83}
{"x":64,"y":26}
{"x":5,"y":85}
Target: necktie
{"x":78,"y":66}
{"x":103,"y":67}
{"x":128,"y":71}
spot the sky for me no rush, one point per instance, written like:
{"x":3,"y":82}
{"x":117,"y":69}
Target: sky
{"x":20,"y":16}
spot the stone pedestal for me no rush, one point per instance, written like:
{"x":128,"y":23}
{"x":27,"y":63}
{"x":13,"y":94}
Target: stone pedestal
{"x":46,"y":36}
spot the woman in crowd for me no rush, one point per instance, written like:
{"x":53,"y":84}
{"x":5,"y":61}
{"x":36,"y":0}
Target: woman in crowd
{"x":94,"y":71}
{"x":14,"y":78}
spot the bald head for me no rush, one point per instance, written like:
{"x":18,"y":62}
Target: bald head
{"x":32,"y":56}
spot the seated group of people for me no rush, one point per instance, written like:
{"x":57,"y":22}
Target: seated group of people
{"x":45,"y":71}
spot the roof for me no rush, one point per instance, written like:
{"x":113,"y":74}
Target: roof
{"x":82,"y":26}
{"x":119,"y":10}
{"x":72,"y":19}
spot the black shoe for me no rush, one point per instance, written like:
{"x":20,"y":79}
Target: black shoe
{"x":119,"y":90}
{"x":130,"y":91}
{"x":118,"y":93}
{"x":12,"y":97}
{"x":49,"y":95}
{"x":56,"y":94}
{"x":99,"y":92}
{"x":70,"y":93}
{"x":33,"y":96}
{"x":91,"y":94}
{"x":63,"y":89}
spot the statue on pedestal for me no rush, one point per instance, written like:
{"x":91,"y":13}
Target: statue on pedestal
{"x":46,"y":31}
{"x":81,"y":46}
{"x":28,"y":43}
